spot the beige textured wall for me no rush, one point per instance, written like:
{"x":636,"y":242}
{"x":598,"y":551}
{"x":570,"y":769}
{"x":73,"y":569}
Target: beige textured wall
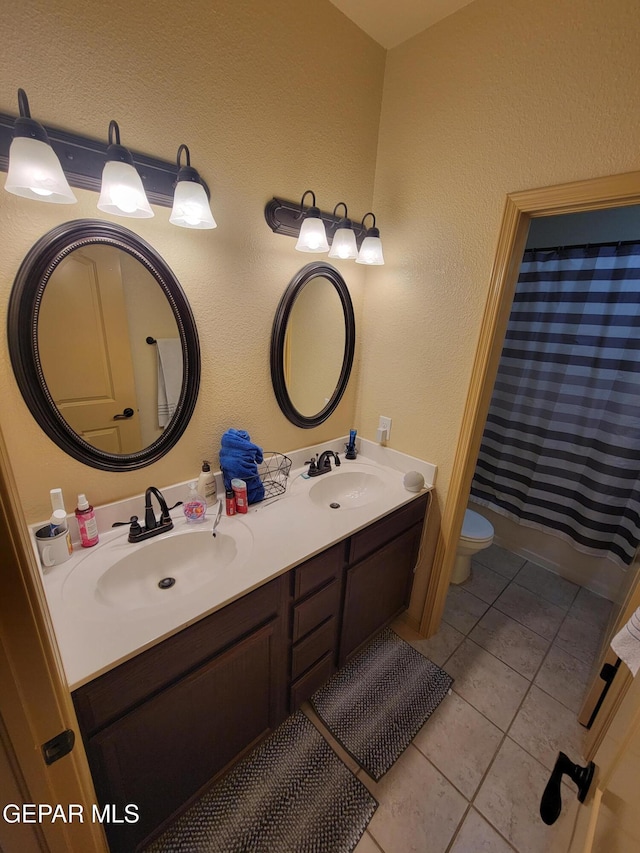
{"x":504,"y":95}
{"x":250,"y":87}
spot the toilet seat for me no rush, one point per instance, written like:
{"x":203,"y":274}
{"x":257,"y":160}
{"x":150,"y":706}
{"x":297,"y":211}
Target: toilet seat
{"x":475,"y":527}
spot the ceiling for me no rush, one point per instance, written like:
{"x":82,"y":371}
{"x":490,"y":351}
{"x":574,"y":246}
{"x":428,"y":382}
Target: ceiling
{"x":390,"y":22}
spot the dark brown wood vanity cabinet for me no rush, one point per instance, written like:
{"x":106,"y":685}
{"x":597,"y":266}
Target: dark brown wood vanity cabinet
{"x":160,"y":727}
{"x":379,"y":576}
{"x":163,"y":726}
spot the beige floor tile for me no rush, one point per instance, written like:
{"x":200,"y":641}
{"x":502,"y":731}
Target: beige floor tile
{"x":484,"y":583}
{"x":501,"y":561}
{"x":564,"y":677}
{"x":441,"y":646}
{"x":512,"y":643}
{"x":460,"y":742}
{"x":593,"y":607}
{"x":462,"y":609}
{"x":534,"y":612}
{"x":544,"y":727}
{"x":477,"y":836}
{"x":510,"y":800}
{"x":419,"y":810}
{"x":492,"y":687}
{"x":580,"y":637}
{"x":366,"y":845}
{"x":547,"y":585}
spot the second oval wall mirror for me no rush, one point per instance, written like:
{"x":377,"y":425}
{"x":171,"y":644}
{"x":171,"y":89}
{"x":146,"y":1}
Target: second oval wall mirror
{"x":312,"y":345}
{"x":103,"y":345}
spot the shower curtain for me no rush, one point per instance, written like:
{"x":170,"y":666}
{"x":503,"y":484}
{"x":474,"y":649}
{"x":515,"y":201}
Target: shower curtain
{"x":561,"y":445}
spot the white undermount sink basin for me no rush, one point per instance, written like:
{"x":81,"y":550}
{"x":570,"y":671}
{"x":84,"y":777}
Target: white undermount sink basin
{"x":121,"y":577}
{"x":346,"y":489}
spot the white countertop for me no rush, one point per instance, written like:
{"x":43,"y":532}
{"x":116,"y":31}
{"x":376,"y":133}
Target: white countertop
{"x":273,"y":537}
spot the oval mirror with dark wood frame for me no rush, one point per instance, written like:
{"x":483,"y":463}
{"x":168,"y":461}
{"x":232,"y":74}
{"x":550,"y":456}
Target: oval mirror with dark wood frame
{"x":312,"y":345}
{"x":79,"y":332}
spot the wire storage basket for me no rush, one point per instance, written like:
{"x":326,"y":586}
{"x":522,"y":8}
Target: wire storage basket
{"x":274,"y":472}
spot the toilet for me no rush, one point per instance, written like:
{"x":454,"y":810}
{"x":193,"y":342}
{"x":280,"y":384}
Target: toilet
{"x":477,"y":534}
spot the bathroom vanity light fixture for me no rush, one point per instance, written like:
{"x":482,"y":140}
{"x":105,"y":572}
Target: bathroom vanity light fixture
{"x":371,"y":248}
{"x":285,"y":217}
{"x":122,"y":192}
{"x":80,"y":163}
{"x":190,"y":202}
{"x":312,"y":237}
{"x":344,"y":244}
{"x":34,"y":170}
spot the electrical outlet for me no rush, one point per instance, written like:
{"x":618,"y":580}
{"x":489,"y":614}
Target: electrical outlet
{"x":385,"y":424}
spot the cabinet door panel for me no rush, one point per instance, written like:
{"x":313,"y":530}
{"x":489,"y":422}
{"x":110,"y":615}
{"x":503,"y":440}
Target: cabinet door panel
{"x":163,"y":752}
{"x":377,"y":589}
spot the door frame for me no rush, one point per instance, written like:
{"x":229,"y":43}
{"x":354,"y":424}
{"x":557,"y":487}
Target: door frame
{"x":35,"y":703}
{"x":594,"y":194}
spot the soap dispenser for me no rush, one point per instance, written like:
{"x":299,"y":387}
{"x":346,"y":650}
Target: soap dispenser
{"x":195,"y":509}
{"x":207,"y":484}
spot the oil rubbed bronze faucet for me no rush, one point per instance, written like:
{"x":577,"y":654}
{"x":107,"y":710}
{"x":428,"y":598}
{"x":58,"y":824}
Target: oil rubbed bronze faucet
{"x":152,"y":526}
{"x":323,"y":464}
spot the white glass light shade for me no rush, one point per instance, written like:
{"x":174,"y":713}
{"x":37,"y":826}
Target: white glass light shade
{"x":371,"y":252}
{"x":35,"y":172}
{"x":191,"y":206}
{"x":122,"y":192}
{"x":313,"y":237}
{"x":344,"y":244}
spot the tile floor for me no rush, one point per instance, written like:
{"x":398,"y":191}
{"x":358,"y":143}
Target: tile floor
{"x":520,"y":643}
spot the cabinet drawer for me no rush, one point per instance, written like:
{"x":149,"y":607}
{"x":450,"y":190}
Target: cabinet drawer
{"x":314,"y":646}
{"x":311,"y":681}
{"x":371,"y":538}
{"x":318,"y":570}
{"x":310,"y":613}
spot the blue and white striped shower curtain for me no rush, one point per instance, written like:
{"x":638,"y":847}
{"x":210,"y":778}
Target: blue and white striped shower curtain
{"x":561,"y":445}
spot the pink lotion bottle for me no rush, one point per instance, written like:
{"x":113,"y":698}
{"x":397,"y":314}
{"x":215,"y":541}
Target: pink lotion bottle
{"x":87,"y":524}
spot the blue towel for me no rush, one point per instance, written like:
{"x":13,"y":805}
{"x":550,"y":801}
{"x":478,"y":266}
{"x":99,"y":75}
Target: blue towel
{"x":239,"y":457}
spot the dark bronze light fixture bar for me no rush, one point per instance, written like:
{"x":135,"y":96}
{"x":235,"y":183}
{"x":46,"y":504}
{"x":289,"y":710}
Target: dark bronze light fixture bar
{"x":284,"y":217}
{"x":83,"y":160}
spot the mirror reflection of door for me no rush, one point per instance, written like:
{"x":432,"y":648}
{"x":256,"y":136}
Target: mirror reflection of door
{"x":97,"y":309}
{"x":83,"y":339}
{"x":314,"y":346}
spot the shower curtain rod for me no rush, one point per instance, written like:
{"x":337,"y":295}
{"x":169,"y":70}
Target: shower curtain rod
{"x":583,"y":246}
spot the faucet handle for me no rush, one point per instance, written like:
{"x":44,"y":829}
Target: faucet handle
{"x":134,"y":529}
{"x":312,"y":463}
{"x":132,"y":520}
{"x":336,"y":459}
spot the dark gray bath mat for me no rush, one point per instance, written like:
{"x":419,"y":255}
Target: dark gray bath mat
{"x":292,"y":794}
{"x":376,"y":704}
